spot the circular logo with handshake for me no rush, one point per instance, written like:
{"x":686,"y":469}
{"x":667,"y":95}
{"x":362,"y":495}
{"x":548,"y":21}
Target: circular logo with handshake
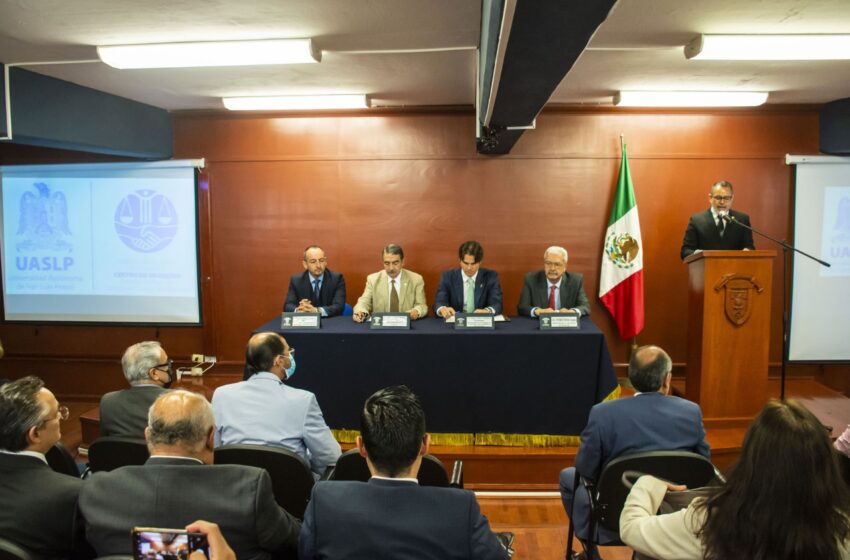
{"x":146,"y":221}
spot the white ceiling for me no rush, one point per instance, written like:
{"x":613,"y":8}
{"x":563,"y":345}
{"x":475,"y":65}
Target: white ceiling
{"x":638,"y":47}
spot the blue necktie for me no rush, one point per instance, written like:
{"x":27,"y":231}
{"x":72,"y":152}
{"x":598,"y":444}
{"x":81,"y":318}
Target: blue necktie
{"x":315,"y":292}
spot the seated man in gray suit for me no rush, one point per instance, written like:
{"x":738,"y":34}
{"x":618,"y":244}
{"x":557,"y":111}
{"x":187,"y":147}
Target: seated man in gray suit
{"x":392,"y":289}
{"x":648,"y":421}
{"x":553,"y":289}
{"x":39,"y":505}
{"x":391,"y":517}
{"x":150,"y":373}
{"x":179,"y":484}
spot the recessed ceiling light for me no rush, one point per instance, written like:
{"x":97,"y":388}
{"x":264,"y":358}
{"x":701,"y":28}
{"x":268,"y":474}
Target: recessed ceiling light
{"x":296,"y":102}
{"x":769,"y":47}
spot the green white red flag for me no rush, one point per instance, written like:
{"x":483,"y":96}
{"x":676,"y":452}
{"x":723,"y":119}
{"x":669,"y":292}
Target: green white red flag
{"x":621,"y":276}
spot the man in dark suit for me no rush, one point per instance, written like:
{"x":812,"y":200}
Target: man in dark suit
{"x":179,"y":484}
{"x":391,"y":517}
{"x":317,"y":289}
{"x":649,"y":421}
{"x":39,"y":504}
{"x":470,"y":288}
{"x":553,"y":289}
{"x":150,"y":373}
{"x":716,"y":228}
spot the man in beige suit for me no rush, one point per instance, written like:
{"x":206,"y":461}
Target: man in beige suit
{"x":392,"y":289}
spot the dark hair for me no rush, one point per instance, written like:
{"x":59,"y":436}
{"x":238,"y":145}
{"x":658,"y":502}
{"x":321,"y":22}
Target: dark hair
{"x":784,"y":497}
{"x":20,"y":410}
{"x":311,"y":247}
{"x":648,"y":367}
{"x":262,"y":350}
{"x":393,"y":249}
{"x":473,"y":248}
{"x":724,"y":185}
{"x":182,"y":418}
{"x":392,"y":425}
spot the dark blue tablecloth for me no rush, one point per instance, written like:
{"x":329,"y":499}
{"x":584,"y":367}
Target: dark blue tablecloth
{"x":516,"y":379}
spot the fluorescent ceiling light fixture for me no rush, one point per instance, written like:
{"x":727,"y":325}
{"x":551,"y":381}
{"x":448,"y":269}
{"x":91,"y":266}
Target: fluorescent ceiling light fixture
{"x":296,"y":102}
{"x":689,"y":98}
{"x":212,"y":53}
{"x":769,"y":47}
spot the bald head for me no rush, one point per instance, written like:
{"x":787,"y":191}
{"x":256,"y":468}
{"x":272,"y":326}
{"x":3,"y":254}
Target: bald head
{"x":649,"y":368}
{"x":180,"y":422}
{"x":262,"y":350}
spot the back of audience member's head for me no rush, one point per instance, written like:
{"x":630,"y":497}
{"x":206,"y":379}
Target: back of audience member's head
{"x":392,"y":425}
{"x":262,"y":349}
{"x":784,"y":497}
{"x":180,"y":419}
{"x":648,"y":368}
{"x":20,"y":410}
{"x":139,"y":359}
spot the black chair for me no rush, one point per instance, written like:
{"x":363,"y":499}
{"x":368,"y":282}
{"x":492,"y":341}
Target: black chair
{"x":11,"y":551}
{"x":60,"y":460}
{"x":292,"y":479}
{"x":352,"y":466}
{"x":110,"y":452}
{"x":608,"y":494}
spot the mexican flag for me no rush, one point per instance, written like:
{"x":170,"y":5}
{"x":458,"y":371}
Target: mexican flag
{"x":621,"y":277}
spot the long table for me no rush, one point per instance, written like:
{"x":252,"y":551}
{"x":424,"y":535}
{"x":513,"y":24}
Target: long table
{"x":516,"y":379}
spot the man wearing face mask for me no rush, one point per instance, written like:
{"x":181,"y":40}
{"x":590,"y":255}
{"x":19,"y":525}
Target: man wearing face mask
{"x":263,"y":410}
{"x":150,"y":373}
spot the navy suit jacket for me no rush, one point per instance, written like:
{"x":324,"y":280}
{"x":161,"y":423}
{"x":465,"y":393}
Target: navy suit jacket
{"x":645,"y":422}
{"x":331,"y":296}
{"x":395,"y":520}
{"x":702,"y":233}
{"x":536,"y":294}
{"x":488,"y":292}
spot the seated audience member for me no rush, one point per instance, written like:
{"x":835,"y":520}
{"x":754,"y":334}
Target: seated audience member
{"x":179,"y":484}
{"x":150,"y":373}
{"x":649,"y":421}
{"x":553,"y":289}
{"x":39,"y":504}
{"x":263,"y":410}
{"x":394,"y":289}
{"x":391,"y":517}
{"x":317,"y":289}
{"x":470,"y":288}
{"x":783,"y":499}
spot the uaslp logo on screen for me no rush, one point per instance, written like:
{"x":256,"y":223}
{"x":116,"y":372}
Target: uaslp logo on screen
{"x":146,"y":221}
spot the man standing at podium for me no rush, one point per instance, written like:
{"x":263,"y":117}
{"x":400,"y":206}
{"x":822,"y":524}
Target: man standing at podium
{"x":716,"y":228}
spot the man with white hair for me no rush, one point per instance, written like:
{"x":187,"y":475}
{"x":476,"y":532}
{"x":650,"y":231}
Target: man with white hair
{"x":553,"y":289}
{"x":150,"y":373}
{"x":179,"y":484}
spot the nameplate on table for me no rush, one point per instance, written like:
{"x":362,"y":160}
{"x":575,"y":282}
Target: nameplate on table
{"x":300,"y":320}
{"x":559,"y":321}
{"x":475,"y":321}
{"x":389,"y":321}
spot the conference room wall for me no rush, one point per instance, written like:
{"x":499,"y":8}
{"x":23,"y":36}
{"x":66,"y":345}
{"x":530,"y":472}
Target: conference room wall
{"x":355,"y":182}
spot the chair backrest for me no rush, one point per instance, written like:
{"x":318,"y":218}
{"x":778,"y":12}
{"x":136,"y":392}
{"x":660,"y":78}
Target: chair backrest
{"x":110,"y":452}
{"x":432,"y":472}
{"x":292,"y":479}
{"x":347,"y":310}
{"x":60,"y":460}
{"x":679,"y":467}
{"x":352,"y":466}
{"x":11,"y":551}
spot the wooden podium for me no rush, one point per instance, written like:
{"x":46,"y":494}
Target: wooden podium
{"x":729,"y":299}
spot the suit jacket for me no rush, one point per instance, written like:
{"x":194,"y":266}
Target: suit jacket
{"x":376,"y":299}
{"x":645,"y":422}
{"x":535,"y":293}
{"x":39,"y":510}
{"x":395,"y":520}
{"x":703,"y":233}
{"x":125,"y":413}
{"x":488,"y":292}
{"x":173,"y":492}
{"x":331,"y":296}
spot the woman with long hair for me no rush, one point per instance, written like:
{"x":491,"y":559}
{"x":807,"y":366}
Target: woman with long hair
{"x":784,"y":499}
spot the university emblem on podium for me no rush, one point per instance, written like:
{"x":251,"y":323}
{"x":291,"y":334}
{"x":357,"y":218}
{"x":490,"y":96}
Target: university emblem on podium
{"x":738,"y":303}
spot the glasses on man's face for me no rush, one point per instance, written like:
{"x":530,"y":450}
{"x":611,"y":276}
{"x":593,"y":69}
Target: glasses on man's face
{"x":62,"y":413}
{"x":721,"y":198}
{"x":169,"y":367}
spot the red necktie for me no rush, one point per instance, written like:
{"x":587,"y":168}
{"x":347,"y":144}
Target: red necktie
{"x":552,"y":297}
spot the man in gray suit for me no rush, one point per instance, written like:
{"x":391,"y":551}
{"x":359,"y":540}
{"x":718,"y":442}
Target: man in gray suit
{"x":40,"y":505}
{"x":553,"y":289}
{"x":179,"y":484}
{"x":150,"y":373}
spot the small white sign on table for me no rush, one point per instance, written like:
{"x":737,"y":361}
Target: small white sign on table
{"x":389,"y":321}
{"x":559,"y":321}
{"x":300,"y":320}
{"x":465,"y":321}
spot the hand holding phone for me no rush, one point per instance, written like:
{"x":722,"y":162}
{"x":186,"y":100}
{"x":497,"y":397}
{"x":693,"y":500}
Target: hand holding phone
{"x":151,"y":543}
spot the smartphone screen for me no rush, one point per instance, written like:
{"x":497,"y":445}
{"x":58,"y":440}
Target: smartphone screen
{"x":168,"y":544}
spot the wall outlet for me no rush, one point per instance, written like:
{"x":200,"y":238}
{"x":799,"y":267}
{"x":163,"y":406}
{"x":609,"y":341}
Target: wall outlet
{"x":197,"y":371}
{"x":197,"y":358}
{"x":209,"y":359}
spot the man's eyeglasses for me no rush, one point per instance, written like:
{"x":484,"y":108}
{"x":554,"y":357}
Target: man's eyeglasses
{"x":721,"y":198}
{"x":169,"y":367}
{"x":62,"y":413}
